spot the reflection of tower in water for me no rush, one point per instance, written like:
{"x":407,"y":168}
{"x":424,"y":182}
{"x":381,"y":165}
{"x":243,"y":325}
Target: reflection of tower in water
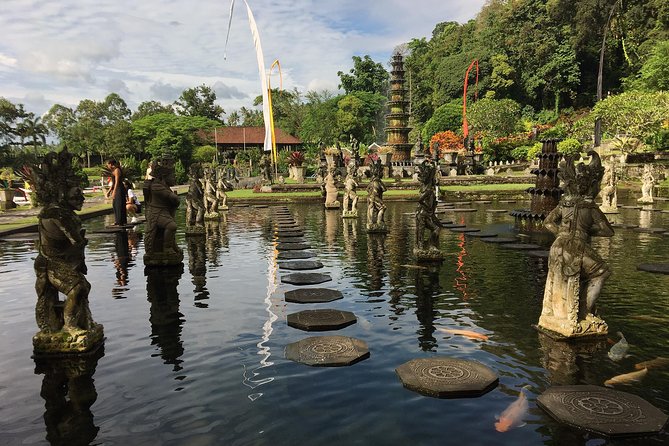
{"x":375,"y":255}
{"x":197,"y":267}
{"x":68,"y":389}
{"x":427,"y":288}
{"x":461,"y":277}
{"x":165,"y":318}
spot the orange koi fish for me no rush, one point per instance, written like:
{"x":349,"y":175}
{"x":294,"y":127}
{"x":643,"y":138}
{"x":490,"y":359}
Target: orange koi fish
{"x":657,"y":363}
{"x":626,"y":378}
{"x":467,"y":333}
{"x":513,"y":415}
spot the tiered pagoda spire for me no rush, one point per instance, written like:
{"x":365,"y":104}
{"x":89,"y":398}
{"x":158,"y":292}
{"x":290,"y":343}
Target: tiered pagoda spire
{"x":397,"y":120}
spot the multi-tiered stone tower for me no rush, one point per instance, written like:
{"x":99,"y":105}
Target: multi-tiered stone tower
{"x":546,"y":193}
{"x":397,"y":120}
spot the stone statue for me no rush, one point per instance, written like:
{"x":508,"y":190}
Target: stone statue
{"x":65,"y":327}
{"x":609,"y":191}
{"x":210,"y":196}
{"x":331,"y":191}
{"x":266,"y":166}
{"x":375,"y":207}
{"x":576,"y":273}
{"x":222,"y":185}
{"x":350,"y":194}
{"x":195,"y":201}
{"x":426,"y":218}
{"x":161,"y":205}
{"x":648,"y":183}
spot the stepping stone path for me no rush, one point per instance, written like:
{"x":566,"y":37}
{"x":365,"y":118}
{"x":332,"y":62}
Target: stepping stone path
{"x":240,"y":205}
{"x":452,"y":225}
{"x":292,"y":246}
{"x":658,"y":268}
{"x":444,"y":377}
{"x":463,"y":210}
{"x":483,"y":202}
{"x":602,"y":411}
{"x":301,"y":265}
{"x":294,"y":255}
{"x":481,"y":234}
{"x":112,"y":229}
{"x":496,"y":211}
{"x":465,"y":230}
{"x":506,"y":201}
{"x":521,"y":246}
{"x":327,"y":351}
{"x":288,"y":233}
{"x":651,"y":230}
{"x":305,"y":278}
{"x":312,"y":295}
{"x":540,"y":254}
{"x":260,"y":206}
{"x":500,"y":240}
{"x":630,"y":207}
{"x":321,"y":320}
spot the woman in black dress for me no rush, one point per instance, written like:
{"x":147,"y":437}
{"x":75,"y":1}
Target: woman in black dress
{"x":118,"y":193}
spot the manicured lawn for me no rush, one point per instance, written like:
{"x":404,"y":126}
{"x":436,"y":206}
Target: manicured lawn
{"x":486,"y":187}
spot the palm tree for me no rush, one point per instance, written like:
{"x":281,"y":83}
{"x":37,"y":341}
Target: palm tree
{"x":32,"y":128}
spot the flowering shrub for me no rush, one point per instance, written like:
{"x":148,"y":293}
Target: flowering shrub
{"x":447,"y":141}
{"x":296,"y":158}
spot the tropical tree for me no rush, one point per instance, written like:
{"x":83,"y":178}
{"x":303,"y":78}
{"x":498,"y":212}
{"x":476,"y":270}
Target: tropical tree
{"x":366,"y":75}
{"x":199,"y":101}
{"x":320,"y":112}
{"x":148,"y":108}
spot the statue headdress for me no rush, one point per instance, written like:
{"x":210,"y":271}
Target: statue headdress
{"x":53,"y":177}
{"x":579,"y":179}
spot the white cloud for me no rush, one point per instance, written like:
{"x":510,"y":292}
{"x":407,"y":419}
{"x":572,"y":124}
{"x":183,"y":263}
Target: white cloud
{"x":154,"y":49}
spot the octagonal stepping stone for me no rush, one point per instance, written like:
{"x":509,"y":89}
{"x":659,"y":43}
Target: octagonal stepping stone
{"x":260,"y":206}
{"x":464,"y":210}
{"x":521,"y":246}
{"x":290,"y":240}
{"x":285,"y":221}
{"x":292,"y":246}
{"x":305,"y":278}
{"x":321,"y":320}
{"x":443,"y":377}
{"x":452,"y":225}
{"x":651,"y":230}
{"x":292,"y":226}
{"x":481,"y":234}
{"x":327,"y":351}
{"x":483,"y":201}
{"x":294,"y":255}
{"x":282,"y":233}
{"x":603,"y":411}
{"x":496,"y":211}
{"x":539,"y":253}
{"x":301,"y":265}
{"x":312,"y":295}
{"x":465,"y":230}
{"x":630,"y":207}
{"x":507,"y":201}
{"x":500,"y":240}
{"x":658,"y":268}
{"x":240,"y":205}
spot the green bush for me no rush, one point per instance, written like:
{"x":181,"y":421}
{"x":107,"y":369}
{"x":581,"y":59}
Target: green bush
{"x":180,"y":173}
{"x":520,"y":153}
{"x":570,"y":146}
{"x":204,"y":154}
{"x":533,"y":151}
{"x":558,"y":131}
{"x":95,"y":171}
{"x":446,"y":117}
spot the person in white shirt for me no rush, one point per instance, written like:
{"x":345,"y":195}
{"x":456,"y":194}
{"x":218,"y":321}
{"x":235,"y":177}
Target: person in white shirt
{"x":132,"y":204}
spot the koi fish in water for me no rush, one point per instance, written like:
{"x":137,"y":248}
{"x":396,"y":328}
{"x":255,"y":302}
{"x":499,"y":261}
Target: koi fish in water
{"x":513,"y":415}
{"x":626,"y":378}
{"x":467,"y":333}
{"x":619,"y":349}
{"x":657,"y":363}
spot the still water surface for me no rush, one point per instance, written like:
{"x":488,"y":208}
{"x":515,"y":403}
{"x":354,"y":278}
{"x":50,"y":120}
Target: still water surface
{"x":195,"y":357}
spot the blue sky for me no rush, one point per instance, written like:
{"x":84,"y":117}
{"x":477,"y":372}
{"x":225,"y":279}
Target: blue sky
{"x":62,"y":51}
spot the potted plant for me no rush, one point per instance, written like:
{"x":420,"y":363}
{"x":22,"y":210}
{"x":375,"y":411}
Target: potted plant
{"x":295,"y":160}
{"x":6,"y":190}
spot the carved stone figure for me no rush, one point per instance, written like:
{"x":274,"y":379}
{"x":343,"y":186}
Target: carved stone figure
{"x":350,"y":194}
{"x":648,"y":183}
{"x":65,"y":327}
{"x":161,"y":205}
{"x":375,"y":206}
{"x":426,"y":219}
{"x":609,"y":191}
{"x":266,"y":167}
{"x":576,"y":273}
{"x":222,"y":185}
{"x":331,"y":191}
{"x":195,"y":202}
{"x":210,"y":198}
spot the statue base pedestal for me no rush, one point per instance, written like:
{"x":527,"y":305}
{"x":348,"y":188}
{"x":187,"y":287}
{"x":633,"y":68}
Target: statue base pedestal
{"x":333,"y":205}
{"x":223,"y":208}
{"x":68,"y":342}
{"x":609,"y":210}
{"x":581,"y":338}
{"x":163,"y":258}
{"x":428,"y":255}
{"x":643,"y":200}
{"x":212,"y":216}
{"x":350,"y":214}
{"x":376,"y":228}
{"x":194,"y":230}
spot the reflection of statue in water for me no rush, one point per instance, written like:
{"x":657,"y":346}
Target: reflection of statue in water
{"x":65,"y":327}
{"x":350,"y":194}
{"x":210,"y":196}
{"x":609,"y":191}
{"x":197,"y":267}
{"x":576,"y":273}
{"x":331,"y":191}
{"x":648,"y":183}
{"x":161,"y":205}
{"x":68,"y":389}
{"x":222,"y":186}
{"x":195,"y":201}
{"x":165,"y":318}
{"x":375,"y":207}
{"x":426,"y":219}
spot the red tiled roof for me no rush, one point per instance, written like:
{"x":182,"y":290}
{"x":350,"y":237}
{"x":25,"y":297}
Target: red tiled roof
{"x":250,"y":135}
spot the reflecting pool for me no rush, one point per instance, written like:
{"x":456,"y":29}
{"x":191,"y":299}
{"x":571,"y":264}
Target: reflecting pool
{"x":195,"y":356}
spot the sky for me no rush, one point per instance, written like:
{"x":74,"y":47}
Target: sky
{"x":63,"y":51}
